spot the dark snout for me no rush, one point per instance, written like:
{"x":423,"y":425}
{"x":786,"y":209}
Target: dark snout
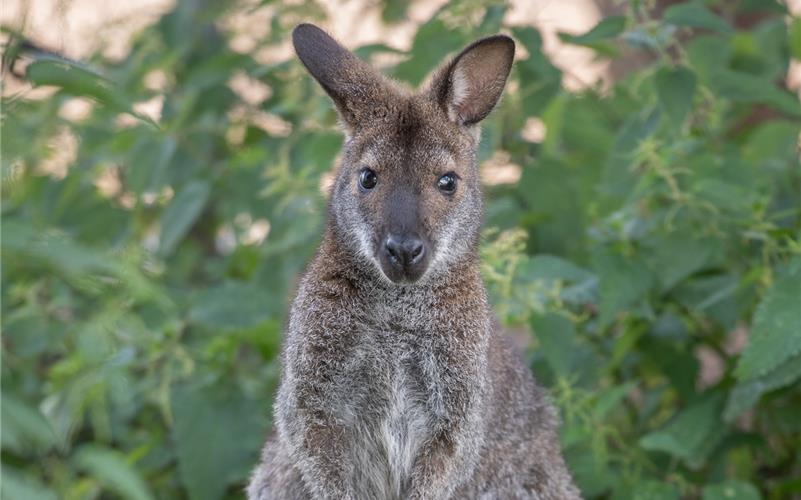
{"x":404,"y":257}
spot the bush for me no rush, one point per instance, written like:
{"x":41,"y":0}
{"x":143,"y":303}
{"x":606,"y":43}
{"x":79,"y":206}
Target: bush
{"x":652,"y":248}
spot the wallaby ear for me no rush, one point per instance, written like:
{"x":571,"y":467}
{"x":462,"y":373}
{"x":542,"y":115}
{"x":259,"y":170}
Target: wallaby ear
{"x":469,"y":86}
{"x":353,"y":85}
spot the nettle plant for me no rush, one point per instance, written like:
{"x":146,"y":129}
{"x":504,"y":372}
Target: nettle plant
{"x":650,"y":254}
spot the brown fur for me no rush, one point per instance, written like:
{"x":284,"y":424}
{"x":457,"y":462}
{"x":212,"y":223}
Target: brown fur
{"x":396,"y":384}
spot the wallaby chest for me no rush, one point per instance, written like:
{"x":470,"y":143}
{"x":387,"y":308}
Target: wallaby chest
{"x":405,"y":425}
{"x":390,"y":414}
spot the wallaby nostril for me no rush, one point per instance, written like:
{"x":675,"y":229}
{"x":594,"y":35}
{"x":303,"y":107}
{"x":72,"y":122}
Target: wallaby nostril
{"x":416,"y":250}
{"x":394,"y":249}
{"x":404,"y":250}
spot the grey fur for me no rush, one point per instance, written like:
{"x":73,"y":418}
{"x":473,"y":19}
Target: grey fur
{"x":393,"y":389}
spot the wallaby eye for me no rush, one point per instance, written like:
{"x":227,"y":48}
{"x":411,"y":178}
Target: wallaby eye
{"x":447,"y":183}
{"x":367,"y":179}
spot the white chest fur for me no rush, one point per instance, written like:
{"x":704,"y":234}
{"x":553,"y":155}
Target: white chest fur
{"x":403,"y":430}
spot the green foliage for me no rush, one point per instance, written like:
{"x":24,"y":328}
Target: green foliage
{"x":650,"y":250}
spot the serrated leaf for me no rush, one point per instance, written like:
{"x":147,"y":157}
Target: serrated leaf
{"x":717,"y":296}
{"x":80,"y":81}
{"x":112,"y":469}
{"x":675,"y":88}
{"x":691,"y":433}
{"x":695,"y":15}
{"x":590,"y":470}
{"x":675,"y":256}
{"x":25,"y":430}
{"x":557,"y":337}
{"x":232,"y":306}
{"x":731,"y":489}
{"x":624,"y":283}
{"x":550,"y":267}
{"x":217,"y":434}
{"x":776,"y":329}
{"x":76,"y":80}
{"x":540,"y":80}
{"x":148,"y":163}
{"x":579,"y":286}
{"x":182,"y":213}
{"x":640,"y":39}
{"x":432,"y":42}
{"x":607,"y":28}
{"x":57,"y":250}
{"x":618,"y":178}
{"x":665,"y":346}
{"x":746,"y":394}
{"x":745,"y":87}
{"x":611,"y":398}
{"x":569,"y":356}
{"x":316,"y":153}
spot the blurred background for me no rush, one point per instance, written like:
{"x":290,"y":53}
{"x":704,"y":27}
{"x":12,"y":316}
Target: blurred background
{"x":165,"y":166}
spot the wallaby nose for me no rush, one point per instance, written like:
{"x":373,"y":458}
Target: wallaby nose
{"x":405,"y":250}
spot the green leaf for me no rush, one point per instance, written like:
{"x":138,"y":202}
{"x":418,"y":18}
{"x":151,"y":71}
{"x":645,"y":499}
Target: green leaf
{"x":618,"y":178}
{"x":233,"y":306}
{"x":611,"y":398}
{"x":692,"y":433}
{"x":590,"y":470}
{"x":641,"y":39}
{"x":540,"y":80}
{"x":493,"y":19}
{"x":773,"y":145}
{"x":578,"y":285}
{"x":74,"y":78}
{"x":776,"y":329}
{"x":366,"y":51}
{"x":569,"y":356}
{"x":17,"y":486}
{"x":182,"y":213}
{"x":696,"y":15}
{"x":794,"y":36}
{"x":731,"y":489}
{"x":56,"y":250}
{"x":666,"y":347}
{"x":624,"y":284}
{"x":557,"y":339}
{"x":111,"y":468}
{"x":609,"y":27}
{"x":148,"y":162}
{"x":217,"y":434}
{"x":655,"y":490}
{"x":24,"y":430}
{"x":717,"y":296}
{"x":675,"y":256}
{"x":745,"y":87}
{"x":432,"y":43}
{"x":746,"y":394}
{"x":394,"y":11}
{"x":317,"y":153}
{"x":675,"y":87}
{"x":551,"y":267}
{"x":553,"y":217}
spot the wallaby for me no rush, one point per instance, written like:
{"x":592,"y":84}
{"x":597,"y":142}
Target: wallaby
{"x":395,"y":382}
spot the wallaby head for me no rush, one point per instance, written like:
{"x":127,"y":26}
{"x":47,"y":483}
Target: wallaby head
{"x":406,"y":197}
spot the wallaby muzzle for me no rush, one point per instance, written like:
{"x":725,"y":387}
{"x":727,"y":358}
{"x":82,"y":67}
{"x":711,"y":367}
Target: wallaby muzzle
{"x":403,"y":252}
{"x":403,"y":257}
